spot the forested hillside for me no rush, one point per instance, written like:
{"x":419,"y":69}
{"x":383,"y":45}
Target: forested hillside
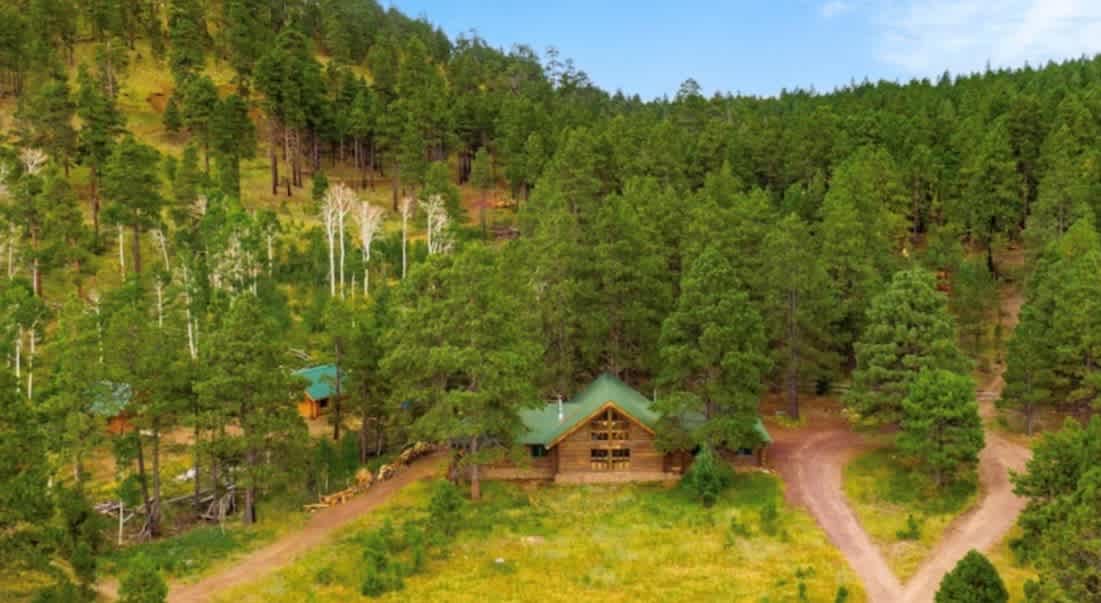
{"x":200,"y":197}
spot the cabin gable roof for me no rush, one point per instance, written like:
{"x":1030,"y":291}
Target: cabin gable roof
{"x":321,"y":381}
{"x":543,"y":427}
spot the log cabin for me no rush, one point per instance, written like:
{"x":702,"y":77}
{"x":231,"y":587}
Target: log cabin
{"x":321,"y":387}
{"x":603,"y":434}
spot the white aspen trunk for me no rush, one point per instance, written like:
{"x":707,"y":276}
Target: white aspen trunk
{"x":122,"y":251}
{"x":19,"y":354}
{"x":332,"y":264}
{"x":340,"y":225}
{"x":30,"y":366}
{"x":160,"y":304}
{"x":163,"y":243}
{"x":122,"y":513}
{"x":404,"y":228}
{"x":271,"y":253}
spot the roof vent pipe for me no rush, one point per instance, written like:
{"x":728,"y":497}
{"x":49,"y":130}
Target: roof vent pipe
{"x":561,"y":410}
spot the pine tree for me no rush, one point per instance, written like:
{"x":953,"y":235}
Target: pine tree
{"x":1055,"y":483}
{"x":131,"y":183}
{"x":626,"y":290}
{"x":908,"y":329}
{"x":800,"y":308}
{"x":101,"y":125}
{"x":198,"y":104}
{"x":941,"y":427}
{"x":172,"y":119}
{"x":974,"y":295}
{"x":243,"y":363}
{"x":481,"y":176}
{"x":467,"y":351}
{"x":1030,"y":366}
{"x":991,"y":202}
{"x":974,"y":580}
{"x":187,"y":38}
{"x":142,"y":583}
{"x":713,"y":349}
{"x":860,"y":229}
{"x":25,"y":505}
{"x":46,"y":117}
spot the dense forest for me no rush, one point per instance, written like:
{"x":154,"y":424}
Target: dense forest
{"x":467,"y":231}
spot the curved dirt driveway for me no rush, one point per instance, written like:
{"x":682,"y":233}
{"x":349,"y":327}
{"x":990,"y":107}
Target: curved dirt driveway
{"x":811,"y":463}
{"x":811,"y":468}
{"x":282,"y":552}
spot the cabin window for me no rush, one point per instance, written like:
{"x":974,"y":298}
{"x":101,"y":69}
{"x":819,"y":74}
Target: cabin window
{"x":613,"y":459}
{"x":599,"y":459}
{"x":538,"y":451}
{"x":610,"y":426}
{"x":323,"y":403}
{"x":621,"y":459}
{"x":745,"y":451}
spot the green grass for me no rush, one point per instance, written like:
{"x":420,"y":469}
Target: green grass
{"x":200,"y":550}
{"x":612,"y":543}
{"x":884,"y":493}
{"x":1014,"y":574}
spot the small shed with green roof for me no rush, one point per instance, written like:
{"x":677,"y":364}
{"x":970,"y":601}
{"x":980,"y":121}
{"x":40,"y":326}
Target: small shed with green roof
{"x":605,"y":433}
{"x":322,"y":385}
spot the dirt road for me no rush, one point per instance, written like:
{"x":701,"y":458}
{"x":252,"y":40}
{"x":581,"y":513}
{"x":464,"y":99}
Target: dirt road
{"x":282,"y":552}
{"x":811,"y":461}
{"x":811,"y":468}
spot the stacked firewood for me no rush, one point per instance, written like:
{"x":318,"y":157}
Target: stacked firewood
{"x":364,"y":478}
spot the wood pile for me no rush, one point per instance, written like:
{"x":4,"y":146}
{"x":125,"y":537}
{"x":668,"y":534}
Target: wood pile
{"x":365,"y":479}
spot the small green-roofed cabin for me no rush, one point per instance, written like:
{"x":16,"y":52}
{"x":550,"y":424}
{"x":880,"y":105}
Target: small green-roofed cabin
{"x":111,"y":401}
{"x":321,"y":389}
{"x":603,"y":434}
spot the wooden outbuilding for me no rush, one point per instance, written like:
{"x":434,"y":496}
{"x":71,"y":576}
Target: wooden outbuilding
{"x":603,"y":434}
{"x":322,"y":387}
{"x":110,"y":401}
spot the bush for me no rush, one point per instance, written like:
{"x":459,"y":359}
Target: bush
{"x":973,"y":580}
{"x":707,"y":477}
{"x":445,"y":509}
{"x":912,"y":530}
{"x":735,"y":531}
{"x":770,"y":518}
{"x":142,"y":583}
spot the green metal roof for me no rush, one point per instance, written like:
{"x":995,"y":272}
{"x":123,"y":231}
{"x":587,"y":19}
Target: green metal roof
{"x":109,"y":399}
{"x":543,"y":427}
{"x":542,"y":424}
{"x":322,"y":380}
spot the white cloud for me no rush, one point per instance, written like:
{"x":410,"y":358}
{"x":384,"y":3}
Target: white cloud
{"x":925,"y":37}
{"x":834,"y":8}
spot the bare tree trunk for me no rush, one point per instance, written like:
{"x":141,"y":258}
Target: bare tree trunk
{"x":122,"y":251}
{"x":142,"y":478}
{"x":156,"y":471}
{"x":137,"y":249}
{"x":475,"y":478}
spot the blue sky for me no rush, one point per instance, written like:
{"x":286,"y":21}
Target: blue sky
{"x":762,"y":46}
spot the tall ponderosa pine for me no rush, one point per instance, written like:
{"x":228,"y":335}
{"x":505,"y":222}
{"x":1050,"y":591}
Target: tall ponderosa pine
{"x":132,"y":185}
{"x":941,"y":427}
{"x":1030,"y":366}
{"x":714,"y":352}
{"x":800,"y":309}
{"x":101,"y":123}
{"x":991,"y":204}
{"x":466,"y":352}
{"x":908,"y":329}
{"x":245,"y":363}
{"x":861,"y":227}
